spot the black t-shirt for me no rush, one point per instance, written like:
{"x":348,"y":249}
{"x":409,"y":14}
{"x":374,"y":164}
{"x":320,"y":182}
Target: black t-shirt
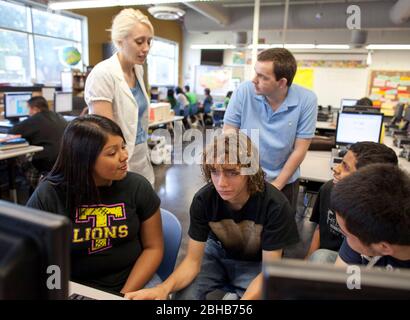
{"x":331,"y":236}
{"x":349,"y":256}
{"x":43,"y":129}
{"x":265,"y":222}
{"x":106,"y":236}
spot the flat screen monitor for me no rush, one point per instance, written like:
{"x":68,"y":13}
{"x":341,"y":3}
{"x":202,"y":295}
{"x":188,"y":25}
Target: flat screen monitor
{"x":63,"y":102}
{"x":354,"y":127}
{"x":213,"y":57}
{"x":66,"y":81}
{"x":289,"y":279}
{"x":358,"y":108}
{"x":34,"y":253}
{"x":347,"y":103}
{"x":15,"y":105}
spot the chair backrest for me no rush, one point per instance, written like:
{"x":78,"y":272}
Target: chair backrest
{"x":172,"y":231}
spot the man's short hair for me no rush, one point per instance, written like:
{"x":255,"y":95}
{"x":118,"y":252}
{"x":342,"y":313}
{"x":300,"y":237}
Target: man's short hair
{"x":367,"y":152}
{"x":187,"y":88}
{"x":39,"y":102}
{"x":284,"y":63}
{"x":374,"y":203}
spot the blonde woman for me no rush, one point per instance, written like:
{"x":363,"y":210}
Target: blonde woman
{"x":115,"y":87}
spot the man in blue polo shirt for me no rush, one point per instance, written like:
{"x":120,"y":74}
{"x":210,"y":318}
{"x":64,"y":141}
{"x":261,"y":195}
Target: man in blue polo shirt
{"x":284,"y":113}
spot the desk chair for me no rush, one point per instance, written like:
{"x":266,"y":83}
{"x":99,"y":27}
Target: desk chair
{"x":172,"y":231}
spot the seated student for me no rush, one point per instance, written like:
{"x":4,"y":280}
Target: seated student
{"x":364,"y":102}
{"x":192,"y":98}
{"x":373,"y":210}
{"x":117,"y":242}
{"x":43,"y":128}
{"x":236,"y":221}
{"x":208,"y":101}
{"x":327,"y":237}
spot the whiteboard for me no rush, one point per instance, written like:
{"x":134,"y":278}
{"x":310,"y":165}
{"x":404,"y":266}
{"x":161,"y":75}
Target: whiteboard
{"x":333,"y":84}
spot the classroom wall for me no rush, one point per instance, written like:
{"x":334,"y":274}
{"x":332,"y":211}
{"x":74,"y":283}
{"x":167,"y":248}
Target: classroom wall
{"x":100,"y":19}
{"x":331,"y":84}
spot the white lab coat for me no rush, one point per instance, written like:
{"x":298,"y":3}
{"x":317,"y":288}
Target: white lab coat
{"x":106,"y":82}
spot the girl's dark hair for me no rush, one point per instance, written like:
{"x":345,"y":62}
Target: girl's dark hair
{"x":178,"y":90}
{"x":82,"y":142}
{"x":171,"y":97}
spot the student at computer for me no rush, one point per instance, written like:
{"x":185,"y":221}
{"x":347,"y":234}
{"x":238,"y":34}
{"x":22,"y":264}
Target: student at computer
{"x":365,"y":101}
{"x":236,"y":221}
{"x":373,"y":210}
{"x":117,"y":242}
{"x":327,"y":237}
{"x":43,"y":128}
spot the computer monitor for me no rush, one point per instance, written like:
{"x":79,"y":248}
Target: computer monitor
{"x":67,"y":81}
{"x":63,"y":102}
{"x":289,"y":279}
{"x":354,"y":127}
{"x":347,"y":103}
{"x":34,"y":253}
{"x":357,"y":108}
{"x":15,"y":105}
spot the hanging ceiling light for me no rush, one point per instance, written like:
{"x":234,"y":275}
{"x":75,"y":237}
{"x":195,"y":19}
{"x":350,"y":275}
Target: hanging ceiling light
{"x":166,"y":12}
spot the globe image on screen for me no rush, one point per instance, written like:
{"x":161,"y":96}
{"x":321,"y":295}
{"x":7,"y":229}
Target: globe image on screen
{"x":69,"y":56}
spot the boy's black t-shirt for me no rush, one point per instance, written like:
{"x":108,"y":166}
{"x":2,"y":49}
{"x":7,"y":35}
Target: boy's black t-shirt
{"x":265,"y":222}
{"x":42,"y":129}
{"x":106,"y":236}
{"x":350,"y":256}
{"x":331,"y":236}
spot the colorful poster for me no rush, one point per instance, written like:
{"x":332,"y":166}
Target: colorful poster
{"x":238,"y":57}
{"x":217,"y":79}
{"x":387,"y":88}
{"x":304,"y":77}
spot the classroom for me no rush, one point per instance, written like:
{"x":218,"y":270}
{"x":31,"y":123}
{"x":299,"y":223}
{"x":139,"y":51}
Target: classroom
{"x":204,"y":150}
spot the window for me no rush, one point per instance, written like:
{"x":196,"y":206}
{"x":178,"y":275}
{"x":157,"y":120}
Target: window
{"x":36,"y":43}
{"x":163,"y":63}
{"x":13,"y":16}
{"x":14,"y":57}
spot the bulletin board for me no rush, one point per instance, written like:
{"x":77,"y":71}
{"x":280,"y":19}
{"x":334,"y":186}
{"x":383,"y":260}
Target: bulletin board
{"x":387,"y":88}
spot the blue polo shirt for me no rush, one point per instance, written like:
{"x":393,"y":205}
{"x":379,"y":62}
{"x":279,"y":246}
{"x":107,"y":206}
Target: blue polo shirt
{"x":295,"y":118}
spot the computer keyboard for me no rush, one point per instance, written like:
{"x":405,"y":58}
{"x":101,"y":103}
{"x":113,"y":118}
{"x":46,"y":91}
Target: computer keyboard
{"x":76,"y":296}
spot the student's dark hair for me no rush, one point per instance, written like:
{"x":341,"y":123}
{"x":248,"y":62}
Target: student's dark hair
{"x":207,"y":91}
{"x":374,"y":203}
{"x":229,"y":94}
{"x":234,"y":147}
{"x":171,"y":97}
{"x":83,"y":140}
{"x":178,"y":90}
{"x":39,"y":102}
{"x":364,"y":102}
{"x":187,"y":88}
{"x":367,"y":152}
{"x":284,"y":63}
